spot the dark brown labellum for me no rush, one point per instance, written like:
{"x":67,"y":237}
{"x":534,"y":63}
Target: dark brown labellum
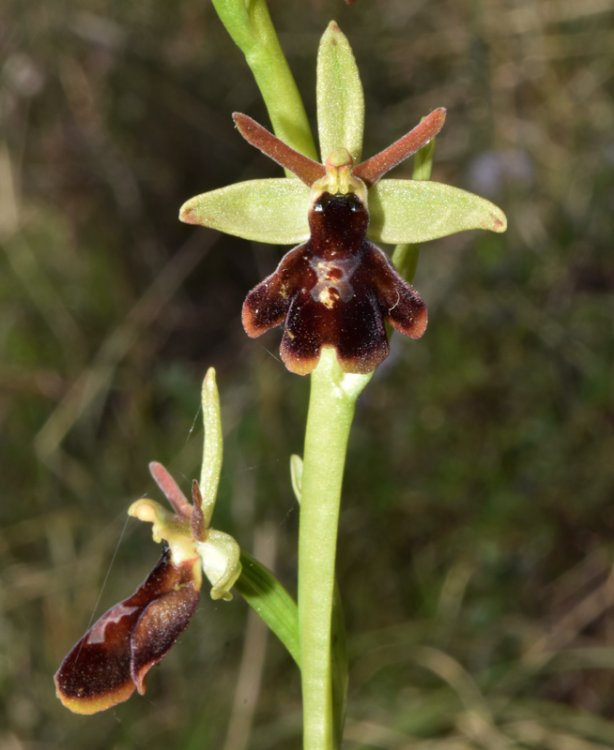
{"x":337,"y":289}
{"x":111,"y":660}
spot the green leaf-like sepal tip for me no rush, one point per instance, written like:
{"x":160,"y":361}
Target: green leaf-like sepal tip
{"x":339,"y":94}
{"x":273,"y":211}
{"x":213,"y":448}
{"x":420,"y":210}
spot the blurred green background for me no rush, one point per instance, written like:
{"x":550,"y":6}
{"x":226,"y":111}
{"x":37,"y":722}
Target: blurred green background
{"x":476,"y":549}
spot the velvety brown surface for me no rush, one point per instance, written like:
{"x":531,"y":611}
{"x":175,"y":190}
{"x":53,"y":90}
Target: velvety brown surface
{"x":336,"y":290}
{"x":115,"y":654}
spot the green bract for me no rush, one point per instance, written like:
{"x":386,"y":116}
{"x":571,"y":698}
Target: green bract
{"x":401,"y":211}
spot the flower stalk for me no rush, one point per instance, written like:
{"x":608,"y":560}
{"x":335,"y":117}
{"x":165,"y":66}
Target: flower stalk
{"x":331,"y":410}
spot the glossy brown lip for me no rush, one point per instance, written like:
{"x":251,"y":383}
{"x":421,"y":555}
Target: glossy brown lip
{"x":111,"y":660}
{"x":338,"y":289}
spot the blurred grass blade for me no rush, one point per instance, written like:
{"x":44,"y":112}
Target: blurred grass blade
{"x":340,"y":99}
{"x":415,"y":211}
{"x":273,"y":210}
{"x":270,"y":600}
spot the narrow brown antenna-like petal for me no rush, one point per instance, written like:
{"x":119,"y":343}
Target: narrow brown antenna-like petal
{"x":302,"y":166}
{"x":371,"y":170}
{"x":171,"y":490}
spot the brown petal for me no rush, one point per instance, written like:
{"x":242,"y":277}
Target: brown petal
{"x":258,"y":136}
{"x":401,"y":305}
{"x":267,"y":304}
{"x":171,"y":490}
{"x":373,"y":169}
{"x":97,"y":672}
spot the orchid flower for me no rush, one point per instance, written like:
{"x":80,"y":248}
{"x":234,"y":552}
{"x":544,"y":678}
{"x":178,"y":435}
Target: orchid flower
{"x":112,"y":659}
{"x":337,"y":289}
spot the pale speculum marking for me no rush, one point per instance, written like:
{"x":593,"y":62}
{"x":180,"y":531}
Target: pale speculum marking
{"x":97,"y":633}
{"x":334,"y":280}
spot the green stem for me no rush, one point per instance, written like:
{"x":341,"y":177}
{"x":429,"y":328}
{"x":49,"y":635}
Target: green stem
{"x":331,"y":410}
{"x":339,"y":666}
{"x":249,"y":24}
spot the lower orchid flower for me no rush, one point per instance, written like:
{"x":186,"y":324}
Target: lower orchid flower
{"x":112,"y":659}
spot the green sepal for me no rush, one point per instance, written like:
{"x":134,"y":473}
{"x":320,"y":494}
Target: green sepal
{"x":221,"y":560}
{"x":417,"y":211}
{"x":213,"y":449}
{"x":339,"y":94}
{"x":273,"y":210}
{"x":270,"y":600}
